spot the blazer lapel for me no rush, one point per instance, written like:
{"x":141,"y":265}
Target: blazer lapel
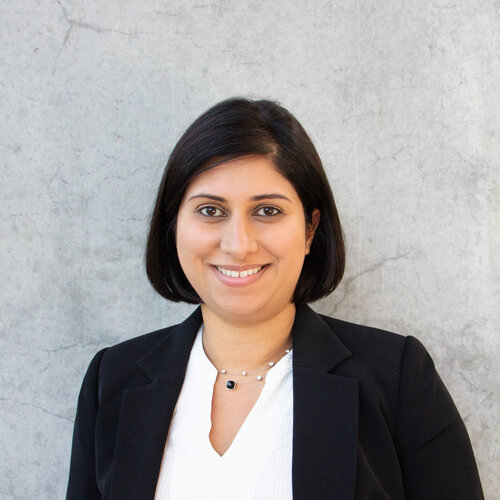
{"x":146,"y":412}
{"x":325,"y":412}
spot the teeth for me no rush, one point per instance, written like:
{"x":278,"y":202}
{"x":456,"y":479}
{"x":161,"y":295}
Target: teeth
{"x":236,"y":274}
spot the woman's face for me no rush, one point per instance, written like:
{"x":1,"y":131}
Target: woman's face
{"x":241,"y":238}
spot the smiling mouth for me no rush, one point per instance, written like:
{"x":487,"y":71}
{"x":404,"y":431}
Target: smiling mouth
{"x":239,"y":274}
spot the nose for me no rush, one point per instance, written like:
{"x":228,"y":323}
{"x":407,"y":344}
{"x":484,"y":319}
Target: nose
{"x":238,"y":237}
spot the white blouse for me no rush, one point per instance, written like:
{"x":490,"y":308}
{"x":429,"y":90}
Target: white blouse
{"x":257,"y":465}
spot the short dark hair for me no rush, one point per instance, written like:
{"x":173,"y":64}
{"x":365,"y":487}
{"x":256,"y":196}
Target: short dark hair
{"x":234,"y":128}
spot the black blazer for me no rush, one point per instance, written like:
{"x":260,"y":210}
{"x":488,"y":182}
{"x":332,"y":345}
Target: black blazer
{"x":371,"y":417}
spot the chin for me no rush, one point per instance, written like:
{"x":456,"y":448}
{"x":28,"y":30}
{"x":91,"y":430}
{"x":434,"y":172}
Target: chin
{"x":248,"y":311}
{"x":241,"y":309}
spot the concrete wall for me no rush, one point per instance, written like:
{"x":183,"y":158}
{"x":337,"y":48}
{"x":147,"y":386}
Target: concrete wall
{"x":397,"y":95}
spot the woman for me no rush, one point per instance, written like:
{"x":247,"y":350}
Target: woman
{"x":255,"y":396}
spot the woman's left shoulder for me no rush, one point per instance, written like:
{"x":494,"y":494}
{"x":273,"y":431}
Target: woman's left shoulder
{"x":400,"y":372}
{"x":382,"y":355}
{"x":368,"y":342}
{"x":401,"y":393}
{"x":374,"y":344}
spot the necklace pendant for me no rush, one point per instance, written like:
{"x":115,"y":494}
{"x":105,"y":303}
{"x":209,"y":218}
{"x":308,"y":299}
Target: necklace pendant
{"x":231,"y":385}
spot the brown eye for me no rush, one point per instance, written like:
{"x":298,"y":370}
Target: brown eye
{"x":211,"y":211}
{"x":268,"y":211}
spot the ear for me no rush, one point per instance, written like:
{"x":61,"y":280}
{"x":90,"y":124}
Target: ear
{"x":311,"y":230}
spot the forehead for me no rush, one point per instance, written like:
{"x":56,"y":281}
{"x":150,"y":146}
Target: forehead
{"x":246,"y":176}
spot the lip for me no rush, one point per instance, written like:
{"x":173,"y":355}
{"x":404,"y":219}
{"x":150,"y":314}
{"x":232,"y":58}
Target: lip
{"x":239,"y":268}
{"x":229,"y":280}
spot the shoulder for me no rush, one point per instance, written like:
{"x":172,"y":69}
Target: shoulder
{"x":392,"y":366}
{"x":382,"y":348}
{"x":136,"y":361}
{"x":402,"y":397}
{"x":116,"y":366}
{"x":374,"y":351}
{"x":361,"y":338}
{"x":132,"y":349}
{"x":374,"y":344}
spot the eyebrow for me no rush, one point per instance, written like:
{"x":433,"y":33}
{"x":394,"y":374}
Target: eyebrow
{"x":270,"y":196}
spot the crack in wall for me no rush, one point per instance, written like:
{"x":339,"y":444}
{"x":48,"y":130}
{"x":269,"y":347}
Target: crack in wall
{"x":39,"y":407}
{"x":86,"y":26}
{"x":350,"y":280}
{"x":354,"y":104}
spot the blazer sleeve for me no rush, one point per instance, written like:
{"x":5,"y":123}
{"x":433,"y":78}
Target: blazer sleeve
{"x":435,"y":453}
{"x":82,"y":484}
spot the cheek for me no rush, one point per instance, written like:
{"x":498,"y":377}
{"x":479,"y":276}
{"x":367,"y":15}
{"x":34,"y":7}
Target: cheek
{"x":192,"y":240}
{"x":288,"y":240}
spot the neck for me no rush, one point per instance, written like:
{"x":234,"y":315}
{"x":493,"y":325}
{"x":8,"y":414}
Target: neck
{"x":243,"y":346}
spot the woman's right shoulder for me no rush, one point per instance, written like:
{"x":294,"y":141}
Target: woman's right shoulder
{"x":120,"y":363}
{"x":117,"y":364}
{"x":138,"y":346}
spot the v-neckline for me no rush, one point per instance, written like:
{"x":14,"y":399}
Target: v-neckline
{"x":210,"y":369}
{"x":237,"y":437}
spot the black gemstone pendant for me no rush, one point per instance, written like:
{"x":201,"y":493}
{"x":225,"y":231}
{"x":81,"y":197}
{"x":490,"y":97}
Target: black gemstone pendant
{"x":230,"y":384}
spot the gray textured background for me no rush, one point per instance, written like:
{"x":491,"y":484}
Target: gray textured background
{"x":398,"y":96}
